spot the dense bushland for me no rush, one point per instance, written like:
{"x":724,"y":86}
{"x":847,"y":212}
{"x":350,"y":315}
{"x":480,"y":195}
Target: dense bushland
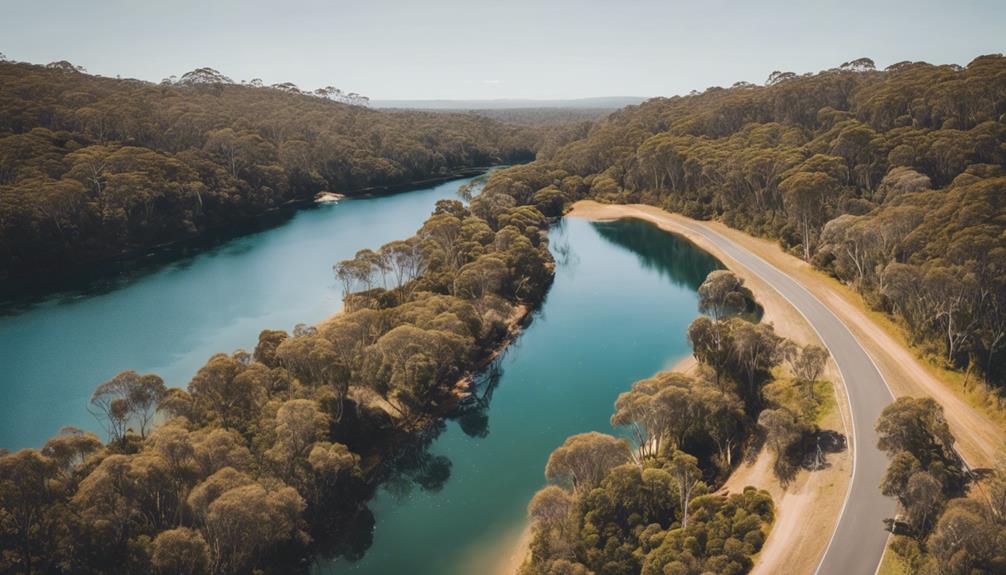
{"x":891,"y":180}
{"x":94,"y":167}
{"x":952,"y":520}
{"x":268,"y":456}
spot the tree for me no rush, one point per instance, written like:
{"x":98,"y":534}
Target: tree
{"x":723,"y":294}
{"x":724,"y":419}
{"x":268,"y":341}
{"x":550,"y":507}
{"x":782,"y":429}
{"x":917,"y":426}
{"x":219,"y":389}
{"x":246,"y":521}
{"x":550,"y":510}
{"x":26,"y":496}
{"x":807,"y":196}
{"x":315,"y":362}
{"x":299,"y":424}
{"x":441,"y":235}
{"x":583,"y":460}
{"x":807,"y":363}
{"x":712,"y":345}
{"x":180,"y":551}
{"x":127,"y":397}
{"x":405,"y":262}
{"x":965,"y":541}
{"x":900,"y":181}
{"x":756,"y":348}
{"x":669,"y":408}
{"x":484,"y":276}
{"x":70,"y":449}
{"x":923,"y":498}
{"x":685,"y":470}
{"x":216,"y":484}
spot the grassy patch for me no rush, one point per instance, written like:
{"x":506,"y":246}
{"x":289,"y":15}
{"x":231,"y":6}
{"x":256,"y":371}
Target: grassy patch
{"x":813,"y":406}
{"x":892,"y":564}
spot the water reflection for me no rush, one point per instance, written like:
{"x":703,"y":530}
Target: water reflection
{"x":406,"y":463}
{"x":74,"y":284}
{"x":674,"y":257}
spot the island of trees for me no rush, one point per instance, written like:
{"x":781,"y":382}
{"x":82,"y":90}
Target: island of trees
{"x":270,"y":456}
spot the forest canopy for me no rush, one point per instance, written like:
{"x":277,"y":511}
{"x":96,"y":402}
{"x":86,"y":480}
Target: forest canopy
{"x":94,"y":167}
{"x":891,"y":180}
{"x":269,"y":456}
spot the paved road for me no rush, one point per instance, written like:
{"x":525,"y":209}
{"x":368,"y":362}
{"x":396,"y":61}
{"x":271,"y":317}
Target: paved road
{"x":857,"y":545}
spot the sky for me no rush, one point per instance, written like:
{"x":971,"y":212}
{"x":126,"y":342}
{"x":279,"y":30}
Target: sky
{"x":480,"y":49}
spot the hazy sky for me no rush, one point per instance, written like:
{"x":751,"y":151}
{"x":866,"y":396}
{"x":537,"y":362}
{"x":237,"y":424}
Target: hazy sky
{"x":481,"y":49}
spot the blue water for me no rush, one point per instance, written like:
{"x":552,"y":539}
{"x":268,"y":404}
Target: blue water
{"x":623,"y":297}
{"x":171,"y":320}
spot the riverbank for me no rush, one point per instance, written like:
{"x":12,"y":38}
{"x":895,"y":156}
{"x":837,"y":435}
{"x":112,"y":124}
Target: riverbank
{"x":40,"y":282}
{"x":978,"y":428}
{"x":807,"y":509}
{"x":558,"y":379}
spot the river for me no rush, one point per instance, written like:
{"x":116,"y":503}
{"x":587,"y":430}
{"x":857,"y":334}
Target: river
{"x":169,"y":316}
{"x":623,"y":296}
{"x":619,"y":309}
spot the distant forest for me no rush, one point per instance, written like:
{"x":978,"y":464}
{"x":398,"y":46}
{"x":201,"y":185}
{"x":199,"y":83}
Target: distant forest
{"x":893,"y":181}
{"x":94,"y":167}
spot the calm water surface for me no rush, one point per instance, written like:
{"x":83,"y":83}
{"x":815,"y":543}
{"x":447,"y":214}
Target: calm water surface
{"x":171,"y":320}
{"x":623,"y":297}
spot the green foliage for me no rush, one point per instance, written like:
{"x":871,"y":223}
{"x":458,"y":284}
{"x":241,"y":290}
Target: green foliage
{"x":940,"y":529}
{"x":94,"y":167}
{"x":264,"y":451}
{"x":891,"y":180}
{"x":724,"y":534}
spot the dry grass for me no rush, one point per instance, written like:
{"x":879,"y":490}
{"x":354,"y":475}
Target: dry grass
{"x":892,"y":564}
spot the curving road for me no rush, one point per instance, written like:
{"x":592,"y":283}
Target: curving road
{"x":857,"y":544}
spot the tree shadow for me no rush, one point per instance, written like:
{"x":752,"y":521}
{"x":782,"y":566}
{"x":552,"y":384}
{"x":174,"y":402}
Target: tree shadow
{"x":472,"y":412}
{"x":810,"y":452}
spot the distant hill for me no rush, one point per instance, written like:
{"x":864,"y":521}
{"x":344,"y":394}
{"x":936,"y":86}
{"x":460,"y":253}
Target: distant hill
{"x":607,"y":102}
{"x":94,"y":167}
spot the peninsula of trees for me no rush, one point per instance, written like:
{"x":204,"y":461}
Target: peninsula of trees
{"x":270,"y":455}
{"x":94,"y":167}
